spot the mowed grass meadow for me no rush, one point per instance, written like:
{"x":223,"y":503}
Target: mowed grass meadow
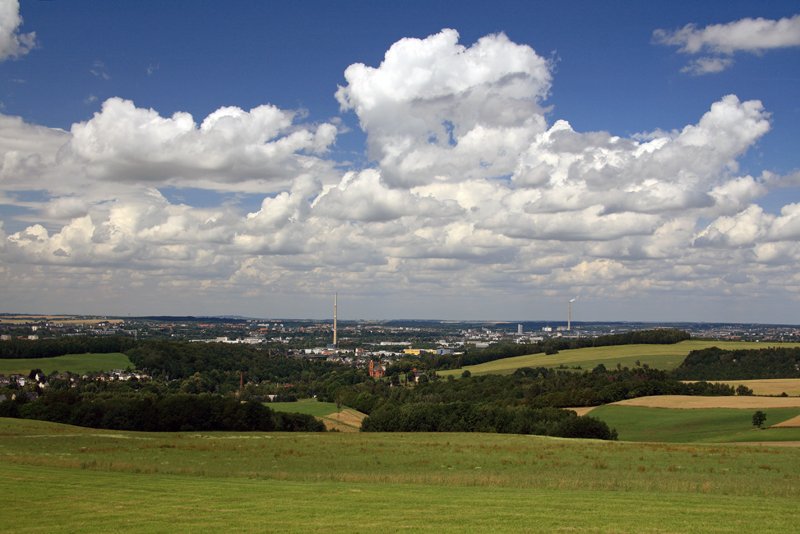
{"x":67,"y":479}
{"x":74,"y":363}
{"x":664,"y":357}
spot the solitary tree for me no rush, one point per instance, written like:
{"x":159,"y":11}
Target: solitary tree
{"x":758,"y":418}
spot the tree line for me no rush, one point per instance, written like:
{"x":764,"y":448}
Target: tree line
{"x":468,"y":417}
{"x":718,"y":364}
{"x":164,"y":413}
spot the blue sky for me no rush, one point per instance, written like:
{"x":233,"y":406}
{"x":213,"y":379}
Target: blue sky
{"x":683,"y":196}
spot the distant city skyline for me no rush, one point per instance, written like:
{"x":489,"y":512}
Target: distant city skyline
{"x":431,"y":160}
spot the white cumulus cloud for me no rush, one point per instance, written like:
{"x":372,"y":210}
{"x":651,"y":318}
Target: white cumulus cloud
{"x":262,"y":146}
{"x":437,"y":110}
{"x":720,"y":41}
{"x":13,"y":43}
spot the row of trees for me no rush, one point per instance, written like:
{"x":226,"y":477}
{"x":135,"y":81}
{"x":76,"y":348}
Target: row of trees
{"x":467,"y":417}
{"x":178,"y":412}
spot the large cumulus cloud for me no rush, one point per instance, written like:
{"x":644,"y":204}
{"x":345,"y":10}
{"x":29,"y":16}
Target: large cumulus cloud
{"x":261,"y":147}
{"x":435,"y":109}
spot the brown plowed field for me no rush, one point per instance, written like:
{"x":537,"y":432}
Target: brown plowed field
{"x":687,"y":401}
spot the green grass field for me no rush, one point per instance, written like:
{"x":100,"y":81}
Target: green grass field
{"x":656,"y":356}
{"x":306,"y":406}
{"x":366,"y":482}
{"x":717,"y":425}
{"x":74,"y":363}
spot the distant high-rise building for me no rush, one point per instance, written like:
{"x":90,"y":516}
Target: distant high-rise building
{"x":519,"y":329}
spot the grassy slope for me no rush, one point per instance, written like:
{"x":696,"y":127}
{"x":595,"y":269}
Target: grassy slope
{"x":75,"y":363}
{"x":635,"y":423}
{"x":656,"y":356}
{"x":365,"y":482}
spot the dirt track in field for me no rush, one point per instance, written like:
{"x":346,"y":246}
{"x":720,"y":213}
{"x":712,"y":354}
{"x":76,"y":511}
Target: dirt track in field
{"x":689,"y":402}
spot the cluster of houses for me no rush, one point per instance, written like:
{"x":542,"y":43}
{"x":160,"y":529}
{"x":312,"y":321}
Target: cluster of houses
{"x":40,"y":381}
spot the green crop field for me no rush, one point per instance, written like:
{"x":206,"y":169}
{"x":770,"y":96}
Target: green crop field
{"x":718,"y":425}
{"x":74,"y":363}
{"x":656,"y":356}
{"x":306,"y":406}
{"x":365,"y":482}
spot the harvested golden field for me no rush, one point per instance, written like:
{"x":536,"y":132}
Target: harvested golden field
{"x":767,"y":386}
{"x":689,"y":402}
{"x":61,"y":319}
{"x":347,"y":420}
{"x":794,"y":422}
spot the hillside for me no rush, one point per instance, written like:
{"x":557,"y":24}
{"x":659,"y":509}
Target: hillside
{"x":666,"y":357}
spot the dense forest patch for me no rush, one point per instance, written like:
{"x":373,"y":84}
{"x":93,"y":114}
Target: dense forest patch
{"x":718,"y":364}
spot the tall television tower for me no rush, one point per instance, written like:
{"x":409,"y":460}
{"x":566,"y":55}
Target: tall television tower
{"x":569,"y":314}
{"x":335,"y":296}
